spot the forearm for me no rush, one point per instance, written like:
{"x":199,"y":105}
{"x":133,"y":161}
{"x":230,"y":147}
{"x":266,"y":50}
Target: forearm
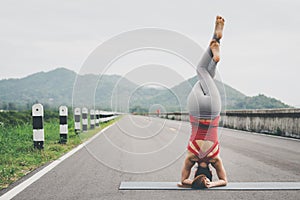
{"x":186,"y":171}
{"x":185,"y":174}
{"x":221,"y":174}
{"x":218,"y":183}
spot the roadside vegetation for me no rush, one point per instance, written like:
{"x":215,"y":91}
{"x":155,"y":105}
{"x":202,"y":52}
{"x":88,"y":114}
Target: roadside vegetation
{"x":18,"y":157}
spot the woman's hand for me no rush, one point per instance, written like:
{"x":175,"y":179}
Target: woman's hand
{"x":207,"y":183}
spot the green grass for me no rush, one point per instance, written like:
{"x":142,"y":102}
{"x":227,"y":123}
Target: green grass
{"x":18,"y":157}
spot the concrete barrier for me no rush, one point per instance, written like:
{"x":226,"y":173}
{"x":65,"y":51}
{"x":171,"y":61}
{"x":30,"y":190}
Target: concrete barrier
{"x":283,"y":122}
{"x":178,"y":116}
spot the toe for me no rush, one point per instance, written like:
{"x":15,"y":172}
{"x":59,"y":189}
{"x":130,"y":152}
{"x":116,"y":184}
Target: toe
{"x":219,"y":18}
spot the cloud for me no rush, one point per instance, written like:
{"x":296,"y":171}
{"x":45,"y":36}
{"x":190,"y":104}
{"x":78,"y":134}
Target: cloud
{"x":259,"y":50}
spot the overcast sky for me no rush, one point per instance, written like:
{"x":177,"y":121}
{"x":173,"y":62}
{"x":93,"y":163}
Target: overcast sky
{"x":259,"y":52}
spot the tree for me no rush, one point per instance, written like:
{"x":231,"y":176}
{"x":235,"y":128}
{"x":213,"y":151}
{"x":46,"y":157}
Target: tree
{"x":3,"y":105}
{"x":12,"y":106}
{"x":138,"y":110}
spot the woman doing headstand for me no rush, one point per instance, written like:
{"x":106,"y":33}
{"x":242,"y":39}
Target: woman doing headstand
{"x":204,"y":106}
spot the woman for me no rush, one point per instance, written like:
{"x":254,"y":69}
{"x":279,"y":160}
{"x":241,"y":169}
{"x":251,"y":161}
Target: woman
{"x":204,"y":105}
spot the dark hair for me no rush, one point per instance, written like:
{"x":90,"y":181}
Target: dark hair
{"x":205,"y":171}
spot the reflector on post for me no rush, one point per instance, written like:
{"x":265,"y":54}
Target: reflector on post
{"x":63,"y":124}
{"x":97,"y":118}
{"x":77,"y":117}
{"x":92,"y":118}
{"x":38,"y":126}
{"x":84,"y":119}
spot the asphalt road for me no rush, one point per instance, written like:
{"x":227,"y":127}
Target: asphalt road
{"x":139,"y":148}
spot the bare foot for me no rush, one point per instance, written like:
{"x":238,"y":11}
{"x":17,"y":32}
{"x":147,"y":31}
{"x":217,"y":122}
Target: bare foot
{"x":219,"y":27}
{"x":214,"y":46}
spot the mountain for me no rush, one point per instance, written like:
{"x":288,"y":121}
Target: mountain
{"x":54,"y":87}
{"x":230,"y":97}
{"x":62,"y":86}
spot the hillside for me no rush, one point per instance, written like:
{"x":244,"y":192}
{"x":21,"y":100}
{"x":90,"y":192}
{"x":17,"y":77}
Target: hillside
{"x":51,"y":88}
{"x":55,"y":88}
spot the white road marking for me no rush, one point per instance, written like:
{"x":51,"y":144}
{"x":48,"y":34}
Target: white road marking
{"x":173,"y":129}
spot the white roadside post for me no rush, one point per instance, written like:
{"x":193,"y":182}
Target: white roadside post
{"x":84,"y":119}
{"x":97,"y":118}
{"x":77,"y":116}
{"x":63,"y":124}
{"x":38,"y":126}
{"x":92,"y":118}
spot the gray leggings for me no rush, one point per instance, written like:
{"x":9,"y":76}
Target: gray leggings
{"x":204,"y":100}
